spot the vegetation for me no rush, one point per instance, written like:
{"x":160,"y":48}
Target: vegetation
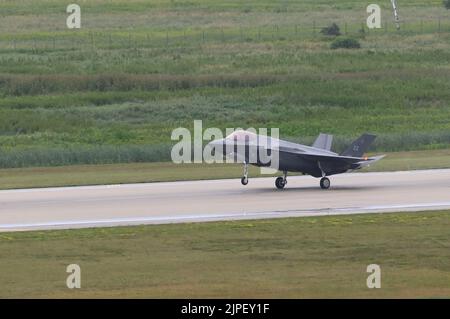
{"x":345,"y":43}
{"x":332,"y":30}
{"x":447,"y":4}
{"x":114,"y":90}
{"x":289,"y":258}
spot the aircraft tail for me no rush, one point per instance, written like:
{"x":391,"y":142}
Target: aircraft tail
{"x":323,"y":141}
{"x":360,"y":146}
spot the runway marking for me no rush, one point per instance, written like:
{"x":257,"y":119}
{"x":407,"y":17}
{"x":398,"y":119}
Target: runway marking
{"x":229,"y":216}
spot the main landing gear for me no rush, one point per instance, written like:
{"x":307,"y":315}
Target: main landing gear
{"x":325,"y":183}
{"x":281,"y":181}
{"x":244,"y":179}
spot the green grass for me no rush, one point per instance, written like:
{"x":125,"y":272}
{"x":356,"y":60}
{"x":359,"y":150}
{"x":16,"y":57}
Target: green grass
{"x":280,"y":258}
{"x":113,"y":91}
{"x":162,"y":172}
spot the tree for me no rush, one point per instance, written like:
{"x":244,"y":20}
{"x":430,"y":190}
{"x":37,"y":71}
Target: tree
{"x":447,"y":4}
{"x":345,"y":43}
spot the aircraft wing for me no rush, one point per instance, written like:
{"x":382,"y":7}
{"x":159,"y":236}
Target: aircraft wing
{"x":329,"y":162}
{"x":335,"y":159}
{"x":321,"y":157}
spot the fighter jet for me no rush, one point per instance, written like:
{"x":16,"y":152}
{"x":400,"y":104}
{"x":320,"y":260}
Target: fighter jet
{"x":317,"y":160}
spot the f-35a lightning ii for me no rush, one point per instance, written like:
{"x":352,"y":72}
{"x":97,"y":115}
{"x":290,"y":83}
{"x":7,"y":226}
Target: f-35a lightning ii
{"x":317,"y":160}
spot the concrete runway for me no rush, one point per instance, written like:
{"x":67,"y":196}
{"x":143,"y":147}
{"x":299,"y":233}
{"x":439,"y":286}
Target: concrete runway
{"x":156,"y":203}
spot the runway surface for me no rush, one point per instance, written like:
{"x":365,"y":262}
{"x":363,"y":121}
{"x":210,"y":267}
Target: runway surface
{"x":194,"y":201}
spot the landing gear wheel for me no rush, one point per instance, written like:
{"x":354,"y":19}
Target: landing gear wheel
{"x":280,"y":182}
{"x":244,"y":179}
{"x":325,"y":183}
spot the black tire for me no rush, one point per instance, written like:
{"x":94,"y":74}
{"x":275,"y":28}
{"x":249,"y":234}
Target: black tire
{"x":279,"y":183}
{"x":244,"y":180}
{"x":325,"y":183}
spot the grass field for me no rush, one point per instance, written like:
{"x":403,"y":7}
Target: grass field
{"x":166,"y":171}
{"x":290,"y":258}
{"x":113,"y":91}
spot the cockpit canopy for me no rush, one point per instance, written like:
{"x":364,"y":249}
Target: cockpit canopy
{"x":242,"y":136}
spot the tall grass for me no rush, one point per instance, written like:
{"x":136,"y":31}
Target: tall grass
{"x":18,"y":85}
{"x":108,"y":154}
{"x":391,"y":142}
{"x":114,"y":90}
{"x":102,"y":154}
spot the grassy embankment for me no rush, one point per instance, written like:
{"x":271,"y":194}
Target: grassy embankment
{"x":291,"y":258}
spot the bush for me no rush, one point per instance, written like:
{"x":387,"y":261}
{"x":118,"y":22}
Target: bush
{"x":346,"y":43}
{"x":332,"y":30}
{"x":447,"y":4}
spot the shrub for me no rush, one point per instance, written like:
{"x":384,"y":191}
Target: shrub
{"x":332,"y":30}
{"x":447,"y":4}
{"x":346,"y":43}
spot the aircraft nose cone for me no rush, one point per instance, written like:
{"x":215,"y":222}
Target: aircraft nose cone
{"x":216,"y":147}
{"x":216,"y":143}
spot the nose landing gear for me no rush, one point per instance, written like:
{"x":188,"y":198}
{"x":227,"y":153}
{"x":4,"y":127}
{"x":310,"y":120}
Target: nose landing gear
{"x":281,"y":181}
{"x":244,"y":179}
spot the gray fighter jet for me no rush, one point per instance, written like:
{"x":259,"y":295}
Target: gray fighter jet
{"x":317,"y":160}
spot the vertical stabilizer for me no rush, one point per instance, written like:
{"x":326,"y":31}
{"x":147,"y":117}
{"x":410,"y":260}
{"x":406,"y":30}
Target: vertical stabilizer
{"x":323,"y":141}
{"x":360,"y":146}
